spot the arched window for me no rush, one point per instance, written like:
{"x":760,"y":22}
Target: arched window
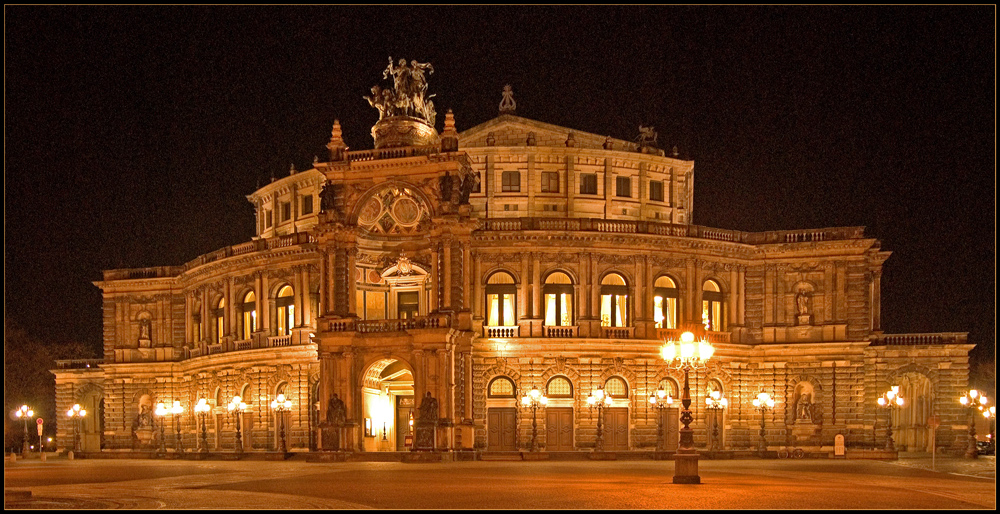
{"x":286,"y":310}
{"x":501,"y":300}
{"x":220,"y":317}
{"x":501,"y":387}
{"x":559,"y":387}
{"x":616,"y":387}
{"x":669,"y":386}
{"x":249,"y":309}
{"x":558,"y":291}
{"x":712,"y":315}
{"x":714,"y":385}
{"x":665,"y":302}
{"x":614,"y":301}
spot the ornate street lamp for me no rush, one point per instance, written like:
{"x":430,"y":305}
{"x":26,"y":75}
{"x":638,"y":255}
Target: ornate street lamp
{"x":161,"y":410}
{"x":660,"y":400}
{"x":202,"y":408}
{"x":763,"y":402}
{"x":599,"y":399}
{"x":176,"y":412}
{"x":687,"y":355}
{"x":25,"y":413}
{"x":237,"y":406}
{"x":281,"y":406}
{"x":715,"y":403}
{"x":534,"y":399}
{"x":991,"y":415}
{"x":889,"y":401}
{"x":76,"y":414}
{"x":970,"y":400}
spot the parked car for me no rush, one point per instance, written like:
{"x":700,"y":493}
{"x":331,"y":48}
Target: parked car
{"x":986,"y":447}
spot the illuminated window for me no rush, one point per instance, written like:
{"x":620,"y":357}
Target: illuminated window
{"x":669,"y":386}
{"x":615,"y":387}
{"x":220,"y":317}
{"x":614,"y":301}
{"x":249,"y":309}
{"x":656,"y":190}
{"x":559,"y":387}
{"x":665,"y":303}
{"x":558,"y":291}
{"x":712,"y":314}
{"x":307,"y":204}
{"x":624,"y":186}
{"x":501,"y":300}
{"x":501,"y":387}
{"x":286,"y":310}
{"x":511,"y":181}
{"x":550,"y":182}
{"x":588,"y":184}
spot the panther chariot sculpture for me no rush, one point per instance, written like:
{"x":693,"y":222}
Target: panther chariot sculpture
{"x":406,"y":112}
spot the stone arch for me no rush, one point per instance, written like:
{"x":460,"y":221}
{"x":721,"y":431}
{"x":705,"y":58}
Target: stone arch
{"x":918,"y":388}
{"x":628,"y":277}
{"x":386,"y":200}
{"x":490,"y":272}
{"x":724,"y":285}
{"x":573,"y":276}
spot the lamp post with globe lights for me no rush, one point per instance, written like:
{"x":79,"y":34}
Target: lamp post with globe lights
{"x":201,"y":408}
{"x":25,"y":413}
{"x":687,"y":355}
{"x":281,"y":406}
{"x":715,"y":403}
{"x":763,"y":402}
{"x":971,"y":399}
{"x":161,"y":411}
{"x":534,"y":399}
{"x":176,"y":410}
{"x":76,"y":414}
{"x":991,"y":415}
{"x":236,"y":407}
{"x":600,"y":399}
{"x":660,"y":400}
{"x":890,"y":401}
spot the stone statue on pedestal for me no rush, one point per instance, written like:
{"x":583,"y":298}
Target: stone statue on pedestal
{"x":427,"y":420}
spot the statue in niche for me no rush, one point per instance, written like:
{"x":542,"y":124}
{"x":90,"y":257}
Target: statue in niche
{"x":802,"y":302}
{"x":142,"y":427}
{"x":803,"y":407}
{"x":144,"y":329}
{"x":330,"y":198}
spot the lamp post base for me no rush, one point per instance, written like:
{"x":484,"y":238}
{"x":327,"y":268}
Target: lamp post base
{"x":686,"y":468}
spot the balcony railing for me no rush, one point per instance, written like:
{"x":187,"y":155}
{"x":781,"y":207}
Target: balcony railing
{"x":275,"y":341}
{"x":561,"y":331}
{"x":505,"y":332}
{"x":79,"y":363}
{"x":370,"y":326}
{"x":392,"y":153}
{"x":674,"y":334}
{"x":669,"y":229}
{"x":919,"y":339}
{"x":618,"y":332}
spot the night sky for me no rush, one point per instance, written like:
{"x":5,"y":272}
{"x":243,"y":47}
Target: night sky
{"x":133,"y":134}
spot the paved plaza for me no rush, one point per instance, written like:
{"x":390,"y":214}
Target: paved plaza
{"x":732,"y":484}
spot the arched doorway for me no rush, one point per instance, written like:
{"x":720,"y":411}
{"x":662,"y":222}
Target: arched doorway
{"x":92,"y":425}
{"x":388,"y":405}
{"x":910,"y":430}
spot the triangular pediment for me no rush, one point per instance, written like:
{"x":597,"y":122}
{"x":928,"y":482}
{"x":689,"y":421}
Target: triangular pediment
{"x":510,"y":130}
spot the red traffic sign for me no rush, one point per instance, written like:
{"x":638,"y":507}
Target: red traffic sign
{"x":39,"y":421}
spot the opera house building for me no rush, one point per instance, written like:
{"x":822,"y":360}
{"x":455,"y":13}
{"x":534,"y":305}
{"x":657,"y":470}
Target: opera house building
{"x":511,"y":287}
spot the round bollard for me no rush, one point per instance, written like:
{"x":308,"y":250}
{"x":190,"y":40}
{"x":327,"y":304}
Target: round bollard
{"x":70,"y":455}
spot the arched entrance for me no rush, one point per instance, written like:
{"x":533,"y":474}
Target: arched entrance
{"x":910,"y":430}
{"x":388,"y":405}
{"x":92,"y":425}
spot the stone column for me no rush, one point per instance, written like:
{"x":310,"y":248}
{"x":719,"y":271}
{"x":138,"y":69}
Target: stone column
{"x":692,"y":314}
{"x":570,"y":185}
{"x":205,"y":310}
{"x":535,"y":288}
{"x":305,"y":311}
{"x":435,"y":278}
{"x":352,"y":295}
{"x":230,"y":310}
{"x":447,"y":272}
{"x":530,"y":181}
{"x":188,"y":317}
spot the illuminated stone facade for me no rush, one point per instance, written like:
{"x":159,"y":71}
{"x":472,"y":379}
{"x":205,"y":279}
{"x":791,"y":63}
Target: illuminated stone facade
{"x":475,"y":265}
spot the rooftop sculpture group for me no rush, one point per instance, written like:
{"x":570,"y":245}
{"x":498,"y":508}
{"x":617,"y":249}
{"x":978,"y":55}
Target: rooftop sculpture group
{"x":408,"y":97}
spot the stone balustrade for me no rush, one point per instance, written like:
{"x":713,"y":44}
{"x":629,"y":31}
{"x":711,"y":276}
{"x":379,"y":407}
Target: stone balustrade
{"x":919,"y":339}
{"x":618,"y":332}
{"x":561,"y":331}
{"x":505,"y":332}
{"x":79,"y":363}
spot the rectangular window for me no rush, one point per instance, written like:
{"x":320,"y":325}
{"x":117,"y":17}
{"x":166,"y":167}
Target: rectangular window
{"x":613,"y":310}
{"x":286,"y":211}
{"x":501,"y":310}
{"x":656,"y":190}
{"x":550,"y":182}
{"x":478,"y":186}
{"x":267,"y":219}
{"x":624,"y":187}
{"x":588,"y":184}
{"x":307,"y":204}
{"x":511,"y":181}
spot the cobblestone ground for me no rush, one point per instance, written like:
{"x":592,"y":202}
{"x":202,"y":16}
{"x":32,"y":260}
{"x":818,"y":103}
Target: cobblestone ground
{"x":740,"y":484}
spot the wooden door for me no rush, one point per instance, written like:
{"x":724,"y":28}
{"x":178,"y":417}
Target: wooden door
{"x":671,"y":428}
{"x":616,"y":429}
{"x":559,"y":429}
{"x":500,"y":429}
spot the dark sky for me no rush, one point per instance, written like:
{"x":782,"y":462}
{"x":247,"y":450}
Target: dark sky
{"x":133,"y":134}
